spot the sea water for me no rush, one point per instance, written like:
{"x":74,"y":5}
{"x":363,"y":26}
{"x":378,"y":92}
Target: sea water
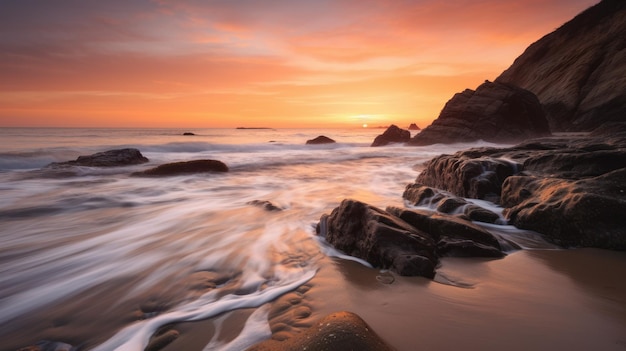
{"x":78,"y":247}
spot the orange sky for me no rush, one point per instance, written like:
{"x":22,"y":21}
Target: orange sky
{"x":288,"y":63}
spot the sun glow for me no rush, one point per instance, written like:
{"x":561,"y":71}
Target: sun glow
{"x":364,"y":125}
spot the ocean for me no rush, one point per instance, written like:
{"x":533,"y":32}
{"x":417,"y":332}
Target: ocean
{"x":97,"y":259}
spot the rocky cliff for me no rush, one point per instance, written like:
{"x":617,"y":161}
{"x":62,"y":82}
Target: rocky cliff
{"x":495,"y":112}
{"x":578,"y":72}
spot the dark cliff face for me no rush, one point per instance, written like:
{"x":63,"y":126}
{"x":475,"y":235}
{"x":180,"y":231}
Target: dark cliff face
{"x":578,"y":72}
{"x":494,"y":112}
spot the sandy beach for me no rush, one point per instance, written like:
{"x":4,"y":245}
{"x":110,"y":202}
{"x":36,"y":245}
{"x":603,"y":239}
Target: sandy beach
{"x":533,"y":299}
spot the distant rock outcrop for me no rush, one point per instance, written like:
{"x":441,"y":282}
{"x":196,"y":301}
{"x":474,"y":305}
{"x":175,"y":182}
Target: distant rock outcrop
{"x":320,"y":140}
{"x":110,"y":158}
{"x":181,"y":168}
{"x":578,"y":72}
{"x":495,"y":112}
{"x":393,"y":134}
{"x":188,"y":133}
{"x":414,"y":126}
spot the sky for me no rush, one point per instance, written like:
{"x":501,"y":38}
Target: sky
{"x":253,"y":63}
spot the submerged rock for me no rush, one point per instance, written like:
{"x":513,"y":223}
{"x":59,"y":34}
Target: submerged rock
{"x":110,"y":158}
{"x":393,"y":134}
{"x":188,"y":167}
{"x":266,"y":205}
{"x":320,"y":140}
{"x":495,"y":112}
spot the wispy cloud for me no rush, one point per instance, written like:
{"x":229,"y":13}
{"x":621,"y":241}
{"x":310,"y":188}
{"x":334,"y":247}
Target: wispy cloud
{"x":285,"y":59}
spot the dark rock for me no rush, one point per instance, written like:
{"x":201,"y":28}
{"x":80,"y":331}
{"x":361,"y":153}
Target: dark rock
{"x":480,"y":214}
{"x":578,"y":71}
{"x":376,"y":236}
{"x":266,"y":205}
{"x":465,"y":176}
{"x":188,"y":133}
{"x":110,"y":158}
{"x":421,"y":195}
{"x":393,"y":134}
{"x":495,"y":112}
{"x":450,"y":231}
{"x":408,"y":242}
{"x":414,"y":126}
{"x":337,"y":331}
{"x":570,"y":189}
{"x":188,"y":167}
{"x":586,"y":212}
{"x":320,"y":140}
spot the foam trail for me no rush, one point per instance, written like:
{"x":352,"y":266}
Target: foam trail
{"x":136,"y":336}
{"x":255,"y":330}
{"x":332,"y":252}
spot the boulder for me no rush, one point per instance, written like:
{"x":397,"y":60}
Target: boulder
{"x":454,"y":236}
{"x":337,"y":331}
{"x":110,"y":158}
{"x":383,"y":240}
{"x":408,"y":242}
{"x":320,"y":140}
{"x":495,"y":112}
{"x":181,"y":168}
{"x":465,"y":175}
{"x":587,"y":212}
{"x":578,"y":72}
{"x":393,"y":134}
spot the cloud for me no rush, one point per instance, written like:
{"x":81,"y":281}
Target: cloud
{"x":290,"y":57}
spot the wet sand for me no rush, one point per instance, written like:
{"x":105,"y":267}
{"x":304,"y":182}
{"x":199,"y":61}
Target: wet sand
{"x":530,"y":300}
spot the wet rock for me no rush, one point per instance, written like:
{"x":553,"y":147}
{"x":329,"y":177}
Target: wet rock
{"x":586,"y":212}
{"x":568,"y":188}
{"x":320,"y":140}
{"x":337,"y":331}
{"x":376,"y":236}
{"x":266,"y":205}
{"x":393,"y":134}
{"x":408,"y":242}
{"x":467,"y":176}
{"x":494,"y":112}
{"x":421,"y":195}
{"x":450,"y":232}
{"x":181,"y":168}
{"x":110,"y":158}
